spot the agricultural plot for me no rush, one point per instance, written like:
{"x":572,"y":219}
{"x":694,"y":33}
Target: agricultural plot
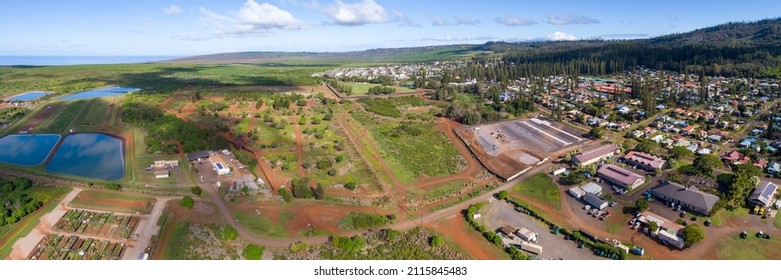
{"x":96,"y":113}
{"x":58,"y":122}
{"x":114,"y":202}
{"x":37,"y":118}
{"x":508,"y":148}
{"x":63,"y":247}
{"x":101,"y":225}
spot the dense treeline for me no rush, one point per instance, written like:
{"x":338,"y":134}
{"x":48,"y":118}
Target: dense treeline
{"x":375,"y":90}
{"x":15,"y":200}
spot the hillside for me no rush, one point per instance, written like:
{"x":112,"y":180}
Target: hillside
{"x":386,"y":55}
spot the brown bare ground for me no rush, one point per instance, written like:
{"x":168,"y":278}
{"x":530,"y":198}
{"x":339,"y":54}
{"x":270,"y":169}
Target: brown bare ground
{"x":32,"y":124}
{"x":477,"y":247}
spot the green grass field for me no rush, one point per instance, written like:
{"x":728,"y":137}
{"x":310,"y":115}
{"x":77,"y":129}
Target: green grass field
{"x":732,"y":247}
{"x":540,"y":188}
{"x":113,"y":201}
{"x":363,"y":88}
{"x":10,"y":233}
{"x":412,"y":150}
{"x":57,"y":123}
{"x":174,"y":249}
{"x":260,"y":225}
{"x":95,"y":114}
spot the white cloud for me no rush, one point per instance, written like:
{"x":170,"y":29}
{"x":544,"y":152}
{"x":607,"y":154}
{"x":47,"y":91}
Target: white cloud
{"x":561,"y":36}
{"x":404,"y":20}
{"x":172,"y":10}
{"x":467,"y":21}
{"x":266,"y":16}
{"x":571,"y":19}
{"x":672,"y":17}
{"x":358,"y":13}
{"x":438,"y":21}
{"x":514,"y":21}
{"x":252,"y":18}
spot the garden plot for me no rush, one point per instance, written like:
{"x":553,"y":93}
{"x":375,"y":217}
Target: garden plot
{"x":63,"y":247}
{"x":102,"y":225}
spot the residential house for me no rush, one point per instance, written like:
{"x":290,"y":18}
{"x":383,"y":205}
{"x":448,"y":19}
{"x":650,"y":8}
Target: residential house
{"x":689,"y":197}
{"x":644,"y":161}
{"x":620,"y":176}
{"x":595,"y":155}
{"x":667,"y":231}
{"x":763,"y":195}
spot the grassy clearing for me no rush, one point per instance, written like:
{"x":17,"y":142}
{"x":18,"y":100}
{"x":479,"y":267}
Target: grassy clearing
{"x":723,"y":215}
{"x":58,"y":122}
{"x":446,"y":190}
{"x":413,"y":150}
{"x":540,"y":188}
{"x":363,"y":88}
{"x":752,"y":248}
{"x":95,"y":114}
{"x":260,"y":225}
{"x":174,"y":249}
{"x":9,"y":234}
{"x":113,"y":201}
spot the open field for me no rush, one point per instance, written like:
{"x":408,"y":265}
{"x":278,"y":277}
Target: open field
{"x":96,"y":113}
{"x":9,"y":234}
{"x":363,"y":88}
{"x":541,"y":188}
{"x":732,"y":247}
{"x":113,"y":201}
{"x":509,"y":147}
{"x":57,"y":123}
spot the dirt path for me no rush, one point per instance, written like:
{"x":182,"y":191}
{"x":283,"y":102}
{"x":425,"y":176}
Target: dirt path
{"x":300,"y":151}
{"x":455,"y":228}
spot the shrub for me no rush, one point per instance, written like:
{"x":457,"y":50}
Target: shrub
{"x":253,"y":252}
{"x":187,"y":202}
{"x":286,"y":196}
{"x":502,"y":194}
{"x":350,"y":186}
{"x":229,"y":233}
{"x":331,"y":172}
{"x":436,"y":241}
{"x":112,"y":186}
{"x":196,"y":190}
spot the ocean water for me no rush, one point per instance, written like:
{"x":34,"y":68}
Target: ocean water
{"x":30,"y":60}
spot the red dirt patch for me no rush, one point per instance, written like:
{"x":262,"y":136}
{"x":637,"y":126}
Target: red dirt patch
{"x":32,"y":124}
{"x":476,"y":247}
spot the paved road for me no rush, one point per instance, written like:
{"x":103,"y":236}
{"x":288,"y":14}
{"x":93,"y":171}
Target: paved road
{"x":145,"y":229}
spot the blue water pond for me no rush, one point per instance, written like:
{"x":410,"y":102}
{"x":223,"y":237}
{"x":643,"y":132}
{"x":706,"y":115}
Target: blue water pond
{"x":91,"y":155}
{"x":27,"y":96}
{"x":27,"y":149}
{"x":101,"y":92}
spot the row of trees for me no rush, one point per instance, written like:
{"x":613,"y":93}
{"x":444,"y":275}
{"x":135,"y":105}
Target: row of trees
{"x":340,"y":87}
{"x":16,"y":200}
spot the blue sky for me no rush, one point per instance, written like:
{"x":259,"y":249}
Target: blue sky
{"x":145,"y":27}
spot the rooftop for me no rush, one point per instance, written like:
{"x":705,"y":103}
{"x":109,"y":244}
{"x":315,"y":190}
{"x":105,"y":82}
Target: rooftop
{"x":691,"y":195}
{"x":596,"y":152}
{"x":619,"y":174}
{"x":645,"y":159}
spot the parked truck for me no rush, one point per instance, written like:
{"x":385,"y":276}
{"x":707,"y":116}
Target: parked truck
{"x":530,"y":247}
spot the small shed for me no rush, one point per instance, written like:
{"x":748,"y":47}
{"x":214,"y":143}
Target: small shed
{"x":577,"y":192}
{"x":527,"y":235}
